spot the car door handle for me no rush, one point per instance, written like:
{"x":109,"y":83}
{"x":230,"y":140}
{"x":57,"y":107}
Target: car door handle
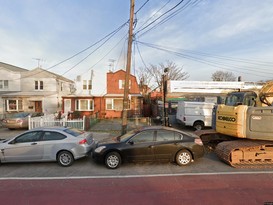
{"x":34,"y":143}
{"x":151,"y":146}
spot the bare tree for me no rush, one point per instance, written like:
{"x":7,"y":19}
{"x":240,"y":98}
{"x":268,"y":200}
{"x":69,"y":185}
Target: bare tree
{"x":223,"y":76}
{"x":152,"y":75}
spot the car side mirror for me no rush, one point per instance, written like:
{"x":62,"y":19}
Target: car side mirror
{"x":131,"y":142}
{"x":12,"y":142}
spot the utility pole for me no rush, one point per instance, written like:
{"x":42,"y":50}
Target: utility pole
{"x":165,"y":113}
{"x":128,"y":70}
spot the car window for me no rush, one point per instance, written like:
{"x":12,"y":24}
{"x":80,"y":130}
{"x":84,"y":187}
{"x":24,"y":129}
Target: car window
{"x":29,"y":137}
{"x":20,"y":115}
{"x":73,"y":132}
{"x":53,"y":136}
{"x":144,"y":136}
{"x":167,"y":135}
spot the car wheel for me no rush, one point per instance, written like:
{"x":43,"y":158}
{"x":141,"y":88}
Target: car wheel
{"x":183,"y":157}
{"x":198,"y":125}
{"x":65,"y":158}
{"x":112,"y":160}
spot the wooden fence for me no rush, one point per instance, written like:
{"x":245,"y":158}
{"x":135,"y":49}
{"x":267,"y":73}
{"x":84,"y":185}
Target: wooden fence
{"x":51,"y":121}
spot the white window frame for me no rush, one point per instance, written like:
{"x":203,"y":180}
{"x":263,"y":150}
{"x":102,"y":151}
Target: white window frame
{"x":121,"y":84}
{"x":4,"y":84}
{"x":111,"y":102}
{"x":17,"y":106}
{"x":40,"y":85}
{"x":86,"y":85}
{"x":90,"y":105}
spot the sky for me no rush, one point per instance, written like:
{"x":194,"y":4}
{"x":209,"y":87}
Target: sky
{"x":72,"y":38}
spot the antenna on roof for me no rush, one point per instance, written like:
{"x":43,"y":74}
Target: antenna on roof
{"x":38,"y":61}
{"x":111,"y":64}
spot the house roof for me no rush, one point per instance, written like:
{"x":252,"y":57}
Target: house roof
{"x":28,"y":94}
{"x":12,"y":67}
{"x":37,"y":71}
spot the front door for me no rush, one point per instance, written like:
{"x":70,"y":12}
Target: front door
{"x":38,"y":106}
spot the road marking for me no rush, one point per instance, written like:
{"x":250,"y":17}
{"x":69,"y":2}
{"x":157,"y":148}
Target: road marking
{"x":136,"y":176}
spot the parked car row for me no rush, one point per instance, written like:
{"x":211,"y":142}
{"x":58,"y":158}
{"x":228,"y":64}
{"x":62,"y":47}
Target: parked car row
{"x":64,"y":145}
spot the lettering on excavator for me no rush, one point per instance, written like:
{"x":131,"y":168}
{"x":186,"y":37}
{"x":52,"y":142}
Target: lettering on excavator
{"x":229,"y":119}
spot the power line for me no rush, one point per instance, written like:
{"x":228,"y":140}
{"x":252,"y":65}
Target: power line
{"x":93,"y":51}
{"x":159,"y":17}
{"x":154,"y":14}
{"x":142,"y":6}
{"x":208,"y":62}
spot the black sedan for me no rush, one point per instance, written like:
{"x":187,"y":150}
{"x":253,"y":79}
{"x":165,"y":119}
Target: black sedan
{"x":149,"y":144}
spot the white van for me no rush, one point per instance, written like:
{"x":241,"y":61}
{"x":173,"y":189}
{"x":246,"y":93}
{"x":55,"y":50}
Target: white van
{"x":195,"y":114}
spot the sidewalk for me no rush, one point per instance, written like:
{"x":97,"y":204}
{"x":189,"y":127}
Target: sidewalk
{"x":114,"y":126}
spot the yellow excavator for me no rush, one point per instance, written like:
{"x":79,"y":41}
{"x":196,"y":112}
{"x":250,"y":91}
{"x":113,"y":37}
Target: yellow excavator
{"x":243,"y":128}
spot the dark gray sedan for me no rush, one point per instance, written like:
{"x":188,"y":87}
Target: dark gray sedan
{"x":149,"y":144}
{"x":60,"y":144}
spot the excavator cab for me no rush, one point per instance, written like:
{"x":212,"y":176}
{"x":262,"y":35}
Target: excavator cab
{"x":241,"y":98}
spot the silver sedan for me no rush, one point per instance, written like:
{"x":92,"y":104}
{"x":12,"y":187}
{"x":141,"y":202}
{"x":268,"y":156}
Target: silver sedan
{"x":60,"y":144}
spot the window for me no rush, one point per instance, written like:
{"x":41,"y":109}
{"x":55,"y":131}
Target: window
{"x":121,"y":84}
{"x":39,"y":85}
{"x":86,"y":85}
{"x":4,"y":84}
{"x":84,"y":105}
{"x":14,"y":105}
{"x":164,"y":135}
{"x":53,"y":136}
{"x":145,"y":136}
{"x":28,"y":137}
{"x":114,"y":104}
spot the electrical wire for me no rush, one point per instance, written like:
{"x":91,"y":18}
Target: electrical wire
{"x":78,"y":53}
{"x":142,"y":6}
{"x":160,"y":16}
{"x":209,"y":62}
{"x":103,"y":43}
{"x":154,"y":14}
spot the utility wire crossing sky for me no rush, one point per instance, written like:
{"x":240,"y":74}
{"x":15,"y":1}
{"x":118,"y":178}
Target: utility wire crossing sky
{"x":72,"y":38}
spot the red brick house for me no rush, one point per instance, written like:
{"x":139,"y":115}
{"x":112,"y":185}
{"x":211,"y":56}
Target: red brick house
{"x":109,"y":105}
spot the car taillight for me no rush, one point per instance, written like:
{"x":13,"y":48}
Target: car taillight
{"x":198,"y":141}
{"x":84,"y":141}
{"x":19,"y":121}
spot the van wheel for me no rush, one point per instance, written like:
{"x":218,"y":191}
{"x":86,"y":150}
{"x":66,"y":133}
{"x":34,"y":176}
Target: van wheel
{"x":198,"y":125}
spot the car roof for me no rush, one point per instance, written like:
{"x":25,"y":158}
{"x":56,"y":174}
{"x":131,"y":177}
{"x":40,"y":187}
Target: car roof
{"x":51,"y":128}
{"x":158,"y":128}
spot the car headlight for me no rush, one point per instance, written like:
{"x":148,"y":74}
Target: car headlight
{"x":99,"y":149}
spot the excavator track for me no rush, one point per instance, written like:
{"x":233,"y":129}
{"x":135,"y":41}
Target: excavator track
{"x":246,"y":153}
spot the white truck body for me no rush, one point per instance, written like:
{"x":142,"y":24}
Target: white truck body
{"x":196,"y":114}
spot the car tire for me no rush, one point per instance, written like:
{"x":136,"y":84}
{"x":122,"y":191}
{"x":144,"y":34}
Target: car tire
{"x":198,"y":125}
{"x":183,"y":158}
{"x":112,"y":160}
{"x":65,"y":159}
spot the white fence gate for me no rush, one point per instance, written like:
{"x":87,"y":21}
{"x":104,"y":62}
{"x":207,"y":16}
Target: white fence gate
{"x":51,"y":121}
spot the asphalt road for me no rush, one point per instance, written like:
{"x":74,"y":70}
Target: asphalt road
{"x":86,"y":167}
{"x":206,"y":181}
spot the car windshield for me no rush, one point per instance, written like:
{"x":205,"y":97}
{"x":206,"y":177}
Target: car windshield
{"x":20,"y":115}
{"x":74,"y":132}
{"x":124,"y":137}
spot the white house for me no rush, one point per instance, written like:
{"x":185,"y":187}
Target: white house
{"x":36,"y":90}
